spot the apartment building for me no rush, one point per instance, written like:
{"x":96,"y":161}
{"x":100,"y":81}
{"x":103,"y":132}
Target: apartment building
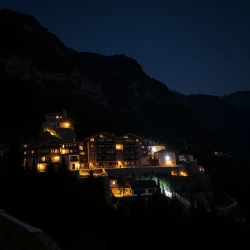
{"x":109,"y":151}
{"x":74,"y":154}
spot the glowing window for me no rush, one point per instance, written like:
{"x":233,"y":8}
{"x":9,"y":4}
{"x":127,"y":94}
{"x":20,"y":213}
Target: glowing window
{"x":119,"y":147}
{"x":92,"y":139}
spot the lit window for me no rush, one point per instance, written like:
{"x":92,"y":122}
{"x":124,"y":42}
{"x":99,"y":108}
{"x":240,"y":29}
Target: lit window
{"x":119,"y":147}
{"x":92,"y":146}
{"x":137,"y":140}
{"x":80,"y":147}
{"x":92,"y":139}
{"x":101,"y":136}
{"x":113,"y":182}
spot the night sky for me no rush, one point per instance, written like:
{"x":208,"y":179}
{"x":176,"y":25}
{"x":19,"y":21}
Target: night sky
{"x":194,"y":47}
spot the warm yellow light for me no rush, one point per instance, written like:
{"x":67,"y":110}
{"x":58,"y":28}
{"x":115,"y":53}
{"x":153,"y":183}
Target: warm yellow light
{"x":41,"y":167}
{"x":55,"y":158}
{"x":63,"y":151}
{"x":119,"y":147}
{"x":66,"y":125}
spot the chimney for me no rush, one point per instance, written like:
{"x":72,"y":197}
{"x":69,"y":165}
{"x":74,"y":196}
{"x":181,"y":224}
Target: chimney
{"x":65,"y":114}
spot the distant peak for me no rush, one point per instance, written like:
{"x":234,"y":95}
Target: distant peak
{"x":11,"y":15}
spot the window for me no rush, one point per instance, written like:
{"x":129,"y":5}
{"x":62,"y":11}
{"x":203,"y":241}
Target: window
{"x":64,"y":151}
{"x":80,"y":147}
{"x":151,"y":190}
{"x":74,"y":158}
{"x":137,"y":140}
{"x":139,"y":191}
{"x":119,"y":147}
{"x":92,"y":146}
{"x":92,"y":139}
{"x":54,"y":151}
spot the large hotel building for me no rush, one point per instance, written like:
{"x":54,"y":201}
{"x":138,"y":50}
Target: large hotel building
{"x":57,"y":141}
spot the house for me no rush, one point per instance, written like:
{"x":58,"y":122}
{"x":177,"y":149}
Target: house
{"x":166,"y":158}
{"x":149,"y":148}
{"x":131,"y":188}
{"x":142,"y":187}
{"x":119,"y":187}
{"x":55,"y":151}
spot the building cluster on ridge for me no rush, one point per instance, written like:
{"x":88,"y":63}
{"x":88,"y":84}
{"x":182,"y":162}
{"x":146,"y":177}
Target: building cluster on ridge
{"x":58,"y":140}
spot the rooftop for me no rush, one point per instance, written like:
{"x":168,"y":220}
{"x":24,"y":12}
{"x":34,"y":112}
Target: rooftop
{"x":142,"y":184}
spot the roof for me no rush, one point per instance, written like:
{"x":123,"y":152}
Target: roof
{"x":38,"y":144}
{"x":133,"y":135}
{"x":102,"y":133}
{"x":142,"y":184}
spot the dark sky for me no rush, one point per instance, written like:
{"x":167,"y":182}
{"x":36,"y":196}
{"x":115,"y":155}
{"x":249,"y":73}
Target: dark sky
{"x":198,"y":46}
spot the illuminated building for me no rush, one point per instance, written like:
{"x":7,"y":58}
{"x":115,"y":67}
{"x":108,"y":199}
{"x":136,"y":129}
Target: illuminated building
{"x":108,"y":151}
{"x":57,"y":143}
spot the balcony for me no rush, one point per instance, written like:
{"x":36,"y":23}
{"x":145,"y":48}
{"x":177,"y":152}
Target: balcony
{"x":100,"y":141}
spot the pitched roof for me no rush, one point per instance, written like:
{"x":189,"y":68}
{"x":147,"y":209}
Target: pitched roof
{"x":102,"y":133}
{"x":37,"y":145}
{"x":142,"y":184}
{"x":133,"y":135}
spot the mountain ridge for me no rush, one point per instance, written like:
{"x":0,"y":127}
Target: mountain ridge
{"x":110,"y":93}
